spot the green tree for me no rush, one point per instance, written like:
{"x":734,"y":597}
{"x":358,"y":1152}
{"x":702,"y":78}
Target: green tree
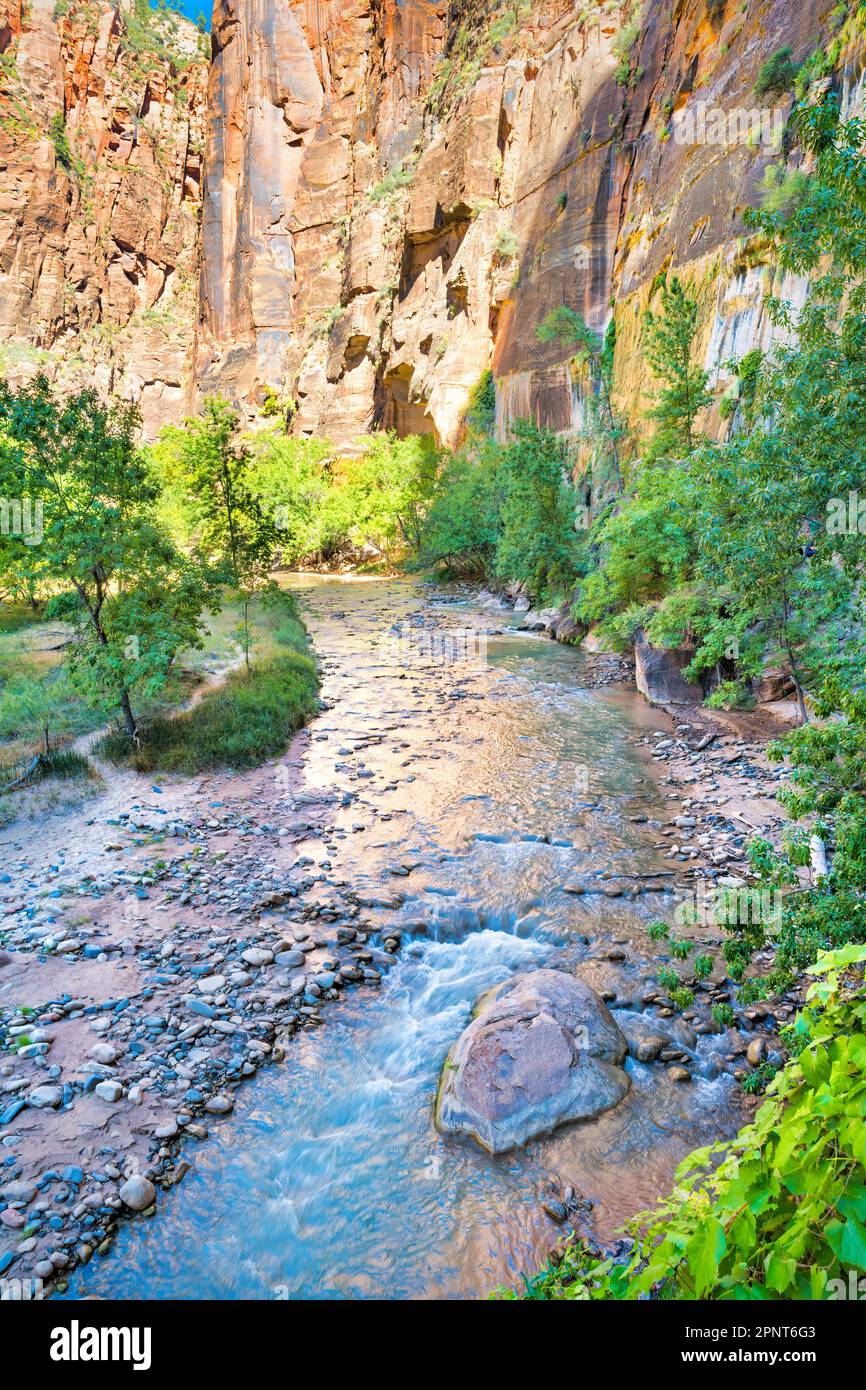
{"x":132,"y":599}
{"x":463,"y":525}
{"x":538,"y":545}
{"x":234,"y":531}
{"x":292,"y":477}
{"x":379,"y":498}
{"x":668,"y":344}
{"x":771,"y":533}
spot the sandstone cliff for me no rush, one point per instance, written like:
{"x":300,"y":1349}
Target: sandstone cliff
{"x":101,"y":140}
{"x":397,"y":193}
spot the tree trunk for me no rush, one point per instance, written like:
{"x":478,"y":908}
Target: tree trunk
{"x":128,"y":716}
{"x":795,"y":674}
{"x":801,"y":702}
{"x":818,"y":857}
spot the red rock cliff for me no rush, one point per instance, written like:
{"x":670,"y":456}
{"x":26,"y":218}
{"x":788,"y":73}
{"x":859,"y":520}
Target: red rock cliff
{"x":397,"y":193}
{"x":101,"y":113}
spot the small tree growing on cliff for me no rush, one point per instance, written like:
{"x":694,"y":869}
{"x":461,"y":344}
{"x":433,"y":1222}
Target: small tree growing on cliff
{"x":668,"y":343}
{"x":131,"y":598}
{"x":565,"y":326}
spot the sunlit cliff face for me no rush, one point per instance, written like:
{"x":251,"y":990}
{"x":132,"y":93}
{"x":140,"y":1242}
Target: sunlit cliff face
{"x":396,"y":195}
{"x":101,"y":147}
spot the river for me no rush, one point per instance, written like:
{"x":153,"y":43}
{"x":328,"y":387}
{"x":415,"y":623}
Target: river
{"x":473,"y":779}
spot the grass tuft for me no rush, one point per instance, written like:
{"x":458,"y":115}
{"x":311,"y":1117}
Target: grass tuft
{"x":252,"y":717}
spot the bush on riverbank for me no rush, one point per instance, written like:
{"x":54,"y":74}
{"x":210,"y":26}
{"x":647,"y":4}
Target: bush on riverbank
{"x":322,"y":505}
{"x":783,"y":1214}
{"x":508,"y":513}
{"x":249,"y":718}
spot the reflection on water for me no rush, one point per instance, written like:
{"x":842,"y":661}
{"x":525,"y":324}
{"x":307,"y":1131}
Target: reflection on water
{"x":465,"y":796}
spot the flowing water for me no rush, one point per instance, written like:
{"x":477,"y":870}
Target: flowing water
{"x":494,"y":779}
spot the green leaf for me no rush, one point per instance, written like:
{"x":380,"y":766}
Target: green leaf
{"x":847,"y":1240}
{"x":780,"y":1272}
{"x":816,"y":1065}
{"x":705,"y":1252}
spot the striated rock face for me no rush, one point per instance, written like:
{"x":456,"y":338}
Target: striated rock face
{"x":659,"y":674}
{"x":101,"y":142}
{"x":309,"y":108}
{"x":543,"y":1050}
{"x":397,"y":193}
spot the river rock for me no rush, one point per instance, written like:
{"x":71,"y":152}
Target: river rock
{"x":755,"y":1051}
{"x":645,"y":1038}
{"x":540,"y":620}
{"x":568,"y":630}
{"x":219,"y":1105}
{"x":45,"y":1097}
{"x":138,"y":1192}
{"x":257,"y":955}
{"x":679,"y":1074}
{"x":109,"y":1091}
{"x":542,"y":1050}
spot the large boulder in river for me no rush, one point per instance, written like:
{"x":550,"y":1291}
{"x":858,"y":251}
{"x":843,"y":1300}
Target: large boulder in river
{"x":659,"y":674}
{"x":542,"y":1050}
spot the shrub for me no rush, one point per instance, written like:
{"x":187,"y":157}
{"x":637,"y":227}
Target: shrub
{"x":251,"y":718}
{"x":65,"y":763}
{"x":506,"y":245}
{"x":481,"y":408}
{"x":392,"y":184}
{"x":623,"y":43}
{"x":777,"y":74}
{"x":60,"y":140}
{"x":779,"y":1211}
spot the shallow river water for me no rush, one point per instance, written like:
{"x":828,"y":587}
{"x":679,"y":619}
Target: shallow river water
{"x":495,"y":779}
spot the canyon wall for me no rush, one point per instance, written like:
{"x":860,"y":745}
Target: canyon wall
{"x":359,"y":206}
{"x":398,"y":191}
{"x":101,"y":144}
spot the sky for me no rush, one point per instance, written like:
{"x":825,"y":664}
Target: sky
{"x":193,"y":8}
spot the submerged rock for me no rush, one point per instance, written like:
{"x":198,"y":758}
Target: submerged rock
{"x":542,"y":1050}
